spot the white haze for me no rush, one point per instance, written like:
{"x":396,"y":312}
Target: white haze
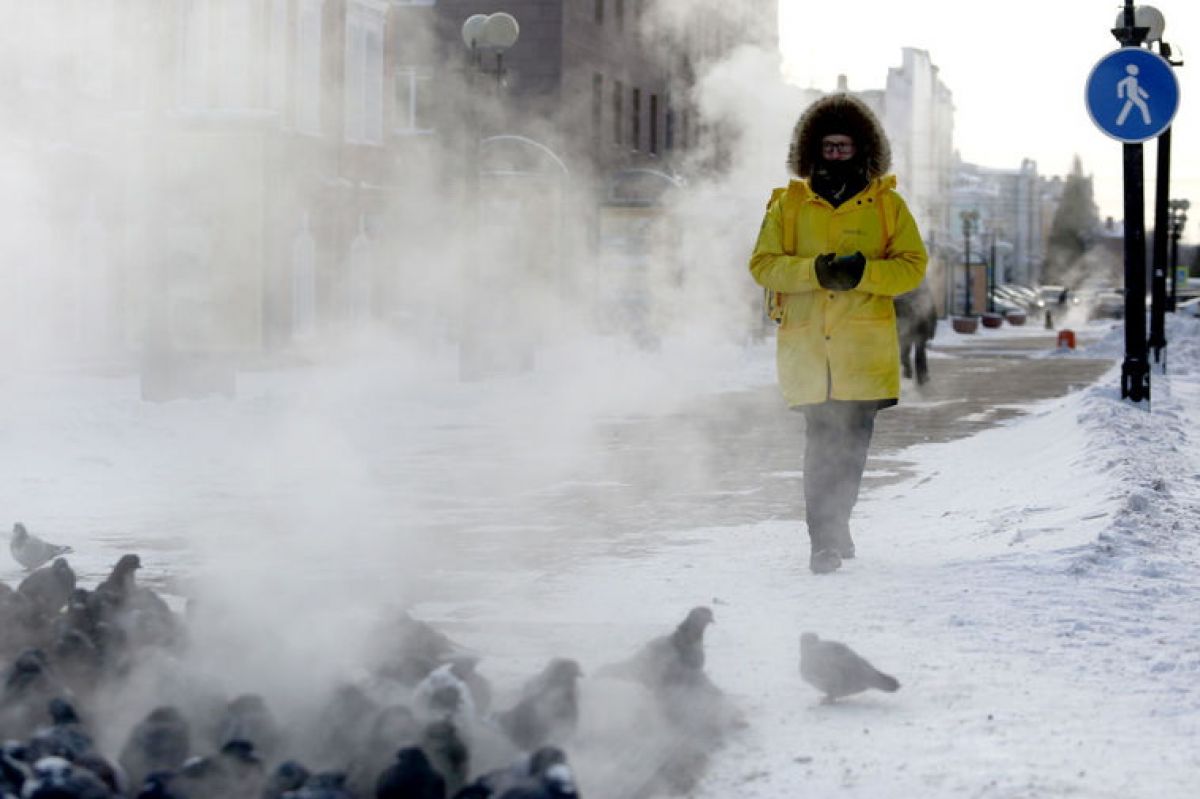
{"x":354,"y":466}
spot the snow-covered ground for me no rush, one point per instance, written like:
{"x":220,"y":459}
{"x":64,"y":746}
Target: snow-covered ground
{"x":1034,"y":587}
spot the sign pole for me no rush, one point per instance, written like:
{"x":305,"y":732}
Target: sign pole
{"x":1135,"y":370}
{"x":1158,"y":278}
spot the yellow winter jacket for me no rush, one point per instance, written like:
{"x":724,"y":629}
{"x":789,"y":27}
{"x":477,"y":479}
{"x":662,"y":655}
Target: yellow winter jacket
{"x":838,"y":344}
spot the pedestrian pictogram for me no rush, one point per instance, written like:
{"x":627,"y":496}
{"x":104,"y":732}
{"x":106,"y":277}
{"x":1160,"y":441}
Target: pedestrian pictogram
{"x":1132,"y":94}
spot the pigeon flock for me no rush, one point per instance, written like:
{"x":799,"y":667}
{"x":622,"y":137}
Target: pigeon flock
{"x":423,"y":725}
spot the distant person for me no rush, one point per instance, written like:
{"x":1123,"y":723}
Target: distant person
{"x":835,"y":247}
{"x":916,"y":322}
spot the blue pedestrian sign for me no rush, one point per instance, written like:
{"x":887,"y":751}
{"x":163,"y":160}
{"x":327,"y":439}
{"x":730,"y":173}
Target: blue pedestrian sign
{"x":1132,"y":94}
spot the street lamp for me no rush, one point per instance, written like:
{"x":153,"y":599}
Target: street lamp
{"x":1178,"y":210}
{"x":490,"y":35}
{"x":969,"y":219}
{"x":487,"y":37}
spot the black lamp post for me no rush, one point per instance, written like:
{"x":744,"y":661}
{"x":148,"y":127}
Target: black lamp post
{"x":1178,"y":209}
{"x":991,"y":273}
{"x":1135,"y":370}
{"x":1153,"y":20}
{"x":969,"y":218}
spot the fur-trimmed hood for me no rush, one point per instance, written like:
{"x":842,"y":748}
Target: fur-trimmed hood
{"x":845,"y":114}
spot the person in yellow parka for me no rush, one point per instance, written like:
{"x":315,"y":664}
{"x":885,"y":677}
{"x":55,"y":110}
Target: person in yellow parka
{"x":836,"y":246}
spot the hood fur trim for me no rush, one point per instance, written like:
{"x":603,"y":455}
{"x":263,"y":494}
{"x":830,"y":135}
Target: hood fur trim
{"x":839,"y":113}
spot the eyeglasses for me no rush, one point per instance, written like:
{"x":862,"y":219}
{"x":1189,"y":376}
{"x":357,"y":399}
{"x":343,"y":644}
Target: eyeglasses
{"x":837,"y":147}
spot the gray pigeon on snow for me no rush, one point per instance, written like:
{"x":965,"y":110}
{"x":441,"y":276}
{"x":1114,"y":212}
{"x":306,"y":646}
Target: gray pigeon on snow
{"x":836,"y":670}
{"x":668,"y":660}
{"x":31,"y":551}
{"x":50,"y":587}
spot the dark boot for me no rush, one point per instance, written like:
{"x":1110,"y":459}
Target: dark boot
{"x":824,"y":561}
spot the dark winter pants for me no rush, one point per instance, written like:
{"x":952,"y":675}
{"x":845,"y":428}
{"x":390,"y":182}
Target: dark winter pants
{"x":837,"y":435}
{"x":914,"y":344}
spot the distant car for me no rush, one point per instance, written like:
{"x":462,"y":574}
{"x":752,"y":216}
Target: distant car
{"x":1106,"y":304}
{"x":1004,"y":303}
{"x":1055,"y":296}
{"x":1021,"y":295}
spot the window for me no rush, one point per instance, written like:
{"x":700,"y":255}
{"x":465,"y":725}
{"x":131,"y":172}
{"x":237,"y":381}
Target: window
{"x":618,"y":96}
{"x":413,"y":96}
{"x":364,"y":75}
{"x":636,"y":119}
{"x":669,"y":130}
{"x":308,"y":67}
{"x":654,"y":124}
{"x":597,"y":107}
{"x":599,"y":12}
{"x":620,"y":13}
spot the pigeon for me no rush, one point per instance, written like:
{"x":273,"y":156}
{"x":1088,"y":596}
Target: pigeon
{"x":411,"y":649}
{"x":289,"y":775}
{"x":203,"y":777}
{"x":411,"y":776}
{"x":66,"y":736}
{"x":393,"y":726}
{"x":159,"y":785}
{"x":442,"y":695}
{"x":119,"y":585}
{"x":245,"y":776}
{"x":670,"y":659}
{"x":464,"y":668}
{"x":447,"y":753}
{"x":248,"y":718}
{"x":323,"y":785}
{"x":31,"y":551}
{"x":836,"y":670}
{"x":548,"y":710}
{"x":543,"y":773}
{"x":30,"y":682}
{"x":57,"y":777}
{"x":50,"y":587}
{"x":161,"y":742}
{"x":345,"y":725}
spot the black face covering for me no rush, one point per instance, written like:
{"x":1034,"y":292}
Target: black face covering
{"x":838,"y":181}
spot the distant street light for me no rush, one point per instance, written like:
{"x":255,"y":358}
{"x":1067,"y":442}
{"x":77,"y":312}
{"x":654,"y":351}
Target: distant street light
{"x":1178,"y":221}
{"x":969,"y":219}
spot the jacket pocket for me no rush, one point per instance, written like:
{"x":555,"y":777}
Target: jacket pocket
{"x":870,"y":346}
{"x":797,"y":310}
{"x":873,"y":308}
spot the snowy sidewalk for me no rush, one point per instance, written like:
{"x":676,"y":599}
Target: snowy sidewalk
{"x":1033,"y":586}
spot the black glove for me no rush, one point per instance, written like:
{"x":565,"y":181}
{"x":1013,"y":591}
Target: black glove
{"x":840,"y":273}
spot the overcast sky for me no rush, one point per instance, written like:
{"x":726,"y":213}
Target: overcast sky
{"x":1017,"y":71}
